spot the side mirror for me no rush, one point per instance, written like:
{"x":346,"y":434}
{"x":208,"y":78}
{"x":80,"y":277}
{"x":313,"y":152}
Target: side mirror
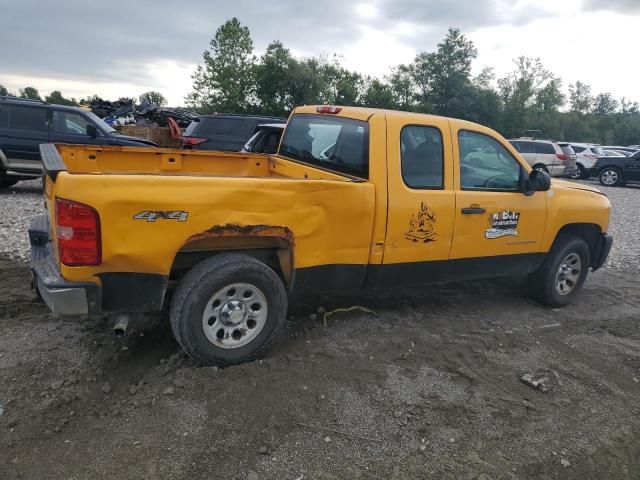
{"x":538,"y":181}
{"x":92,"y":130}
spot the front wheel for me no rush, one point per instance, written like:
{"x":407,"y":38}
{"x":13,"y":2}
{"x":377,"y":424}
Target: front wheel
{"x":562,"y":274}
{"x":228,"y":309}
{"x":611,"y":177}
{"x":6,"y":182}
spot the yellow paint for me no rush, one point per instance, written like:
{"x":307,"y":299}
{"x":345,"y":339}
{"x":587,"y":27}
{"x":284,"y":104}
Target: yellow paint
{"x":334,"y":220}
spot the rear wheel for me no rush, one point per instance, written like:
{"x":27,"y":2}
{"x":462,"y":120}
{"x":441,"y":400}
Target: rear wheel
{"x":563,"y":273}
{"x":611,"y":177}
{"x":228,"y":309}
{"x":581,"y":173}
{"x":6,"y":182}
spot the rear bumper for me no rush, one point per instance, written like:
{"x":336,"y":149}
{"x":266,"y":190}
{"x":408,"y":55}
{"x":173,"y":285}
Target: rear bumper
{"x":603,"y":252}
{"x":62,"y":297}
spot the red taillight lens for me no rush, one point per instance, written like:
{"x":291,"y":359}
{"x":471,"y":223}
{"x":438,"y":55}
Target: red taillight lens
{"x":78,"y":230}
{"x":329,"y":109}
{"x":193,"y":141}
{"x":562,"y":157}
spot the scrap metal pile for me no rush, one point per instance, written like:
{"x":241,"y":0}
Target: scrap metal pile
{"x":125,"y":112}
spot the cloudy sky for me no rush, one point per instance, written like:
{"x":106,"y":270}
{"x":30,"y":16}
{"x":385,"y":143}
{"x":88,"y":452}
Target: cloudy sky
{"x":122,"y":48}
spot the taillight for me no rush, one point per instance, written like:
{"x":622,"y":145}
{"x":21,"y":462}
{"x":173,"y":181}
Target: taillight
{"x":193,"y":141}
{"x":562,"y":157}
{"x":329,"y":109}
{"x":78,"y":231}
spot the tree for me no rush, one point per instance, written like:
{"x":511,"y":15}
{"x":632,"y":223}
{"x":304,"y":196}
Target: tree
{"x":3,"y":91}
{"x":156,"y":98}
{"x":57,"y":98}
{"x":274,"y":77}
{"x":580,"y":99}
{"x":225,"y":82}
{"x":402,"y":87}
{"x":605,"y":104}
{"x":378,"y":95}
{"x":30,"y":93}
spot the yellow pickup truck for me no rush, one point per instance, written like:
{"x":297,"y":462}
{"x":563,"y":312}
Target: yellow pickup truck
{"x":354,"y":199}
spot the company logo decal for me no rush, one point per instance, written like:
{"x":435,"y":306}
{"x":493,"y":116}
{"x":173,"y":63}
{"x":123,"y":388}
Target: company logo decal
{"x":504,"y":224}
{"x":152,"y":216}
{"x":422,"y":226}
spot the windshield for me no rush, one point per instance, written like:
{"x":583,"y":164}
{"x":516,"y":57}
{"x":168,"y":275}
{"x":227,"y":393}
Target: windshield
{"x":100,"y":123}
{"x":338,"y":144}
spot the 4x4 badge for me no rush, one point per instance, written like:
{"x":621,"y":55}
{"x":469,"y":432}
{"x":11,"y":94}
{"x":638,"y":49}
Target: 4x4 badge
{"x":152,"y":216}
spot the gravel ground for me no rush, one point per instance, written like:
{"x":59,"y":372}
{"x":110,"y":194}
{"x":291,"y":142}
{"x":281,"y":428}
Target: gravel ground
{"x":428,"y":388}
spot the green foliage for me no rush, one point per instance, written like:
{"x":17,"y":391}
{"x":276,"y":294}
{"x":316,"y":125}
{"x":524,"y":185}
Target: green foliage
{"x":3,"y":91}
{"x":57,"y":98}
{"x":231,"y":79}
{"x":225,"y":82}
{"x":153,"y":97}
{"x":30,"y":93}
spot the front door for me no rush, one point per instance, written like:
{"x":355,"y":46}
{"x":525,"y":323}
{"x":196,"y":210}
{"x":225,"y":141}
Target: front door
{"x":71,"y":127}
{"x":27,"y":130}
{"x":421,"y":212}
{"x":633,"y":170}
{"x":498,"y":229}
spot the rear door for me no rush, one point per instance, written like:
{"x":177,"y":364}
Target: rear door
{"x":498,"y":229}
{"x":71,"y":127}
{"x":422,"y":201}
{"x":27,"y":129}
{"x":546,"y":154}
{"x":527,"y":150}
{"x":633,"y":169}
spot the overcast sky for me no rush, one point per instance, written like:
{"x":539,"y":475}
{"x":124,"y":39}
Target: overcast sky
{"x":123,"y":48}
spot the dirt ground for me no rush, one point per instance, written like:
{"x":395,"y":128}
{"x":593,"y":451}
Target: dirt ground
{"x":428,"y":388}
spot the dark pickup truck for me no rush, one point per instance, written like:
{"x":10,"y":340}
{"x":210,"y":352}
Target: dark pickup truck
{"x":617,"y":171}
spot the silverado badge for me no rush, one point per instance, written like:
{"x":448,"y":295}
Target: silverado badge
{"x":422,"y":226}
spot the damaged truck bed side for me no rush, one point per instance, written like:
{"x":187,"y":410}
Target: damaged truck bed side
{"x":354,"y":198}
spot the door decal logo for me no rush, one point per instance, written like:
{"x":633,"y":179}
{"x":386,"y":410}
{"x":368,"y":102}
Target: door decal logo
{"x":503,"y":224}
{"x":422,"y":226}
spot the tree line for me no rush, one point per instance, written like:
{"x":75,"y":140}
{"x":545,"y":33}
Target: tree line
{"x":232,"y":79}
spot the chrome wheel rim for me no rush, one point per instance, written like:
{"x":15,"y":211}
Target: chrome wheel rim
{"x":568,"y":274}
{"x":609,"y":177}
{"x":235,"y":315}
{"x":576,"y":175}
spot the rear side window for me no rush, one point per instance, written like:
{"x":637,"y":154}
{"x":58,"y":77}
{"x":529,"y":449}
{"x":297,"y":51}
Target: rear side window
{"x":4,"y":116}
{"x":29,"y":119}
{"x":597,"y":150}
{"x":334,"y":143}
{"x":191,"y":128}
{"x":221,"y":126}
{"x":578,"y":149}
{"x":69,"y":123}
{"x":527,"y":147}
{"x":422,"y":157}
{"x":545,"y":148}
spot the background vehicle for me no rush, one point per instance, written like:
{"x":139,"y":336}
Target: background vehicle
{"x":266,"y":139}
{"x":624,"y":150}
{"x":26,"y":124}
{"x":556,"y":160}
{"x":587,"y":153}
{"x":354,"y":199}
{"x":224,"y":133}
{"x":616,"y":171}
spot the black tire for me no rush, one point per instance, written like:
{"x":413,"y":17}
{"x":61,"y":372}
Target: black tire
{"x":611,"y":177}
{"x":195,"y":292}
{"x":542,"y":283}
{"x":6,"y":182}
{"x":585,"y":174}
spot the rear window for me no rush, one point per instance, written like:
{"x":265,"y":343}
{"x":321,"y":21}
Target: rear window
{"x":26,"y":118}
{"x":597,"y":150}
{"x":222,"y":126}
{"x":191,"y":128}
{"x":334,"y":143}
{"x":545,"y":148}
{"x":567,"y":150}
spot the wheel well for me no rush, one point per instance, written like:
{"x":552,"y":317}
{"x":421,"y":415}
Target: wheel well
{"x":590,"y":233}
{"x":273,"y":252}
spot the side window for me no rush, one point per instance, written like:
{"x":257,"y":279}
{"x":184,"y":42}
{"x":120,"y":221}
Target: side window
{"x":527,"y":147}
{"x":545,"y":148}
{"x":516,"y":145}
{"x":578,"y":149}
{"x":4,"y":116}
{"x":486,"y":165}
{"x":69,"y":123}
{"x":422,"y":157}
{"x":28,"y":118}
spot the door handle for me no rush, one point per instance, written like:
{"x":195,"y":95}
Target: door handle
{"x":473,"y":211}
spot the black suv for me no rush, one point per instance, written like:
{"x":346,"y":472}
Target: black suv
{"x":25,"y":124}
{"x":226,"y":133}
